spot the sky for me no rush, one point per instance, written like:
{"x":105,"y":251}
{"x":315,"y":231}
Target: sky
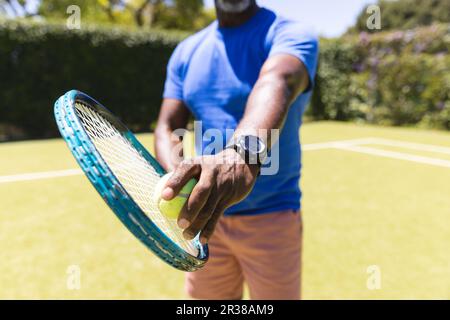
{"x":330,"y":18}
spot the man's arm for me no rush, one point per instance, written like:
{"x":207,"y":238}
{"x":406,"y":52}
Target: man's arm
{"x":173,"y":115}
{"x":223,"y":178}
{"x":282,"y":78}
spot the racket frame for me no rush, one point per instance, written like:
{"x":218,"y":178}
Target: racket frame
{"x":109,"y":186}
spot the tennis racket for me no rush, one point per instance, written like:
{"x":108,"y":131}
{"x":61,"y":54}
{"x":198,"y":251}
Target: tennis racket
{"x":125,"y":175}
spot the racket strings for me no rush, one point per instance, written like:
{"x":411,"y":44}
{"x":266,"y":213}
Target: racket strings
{"x":135,"y":174}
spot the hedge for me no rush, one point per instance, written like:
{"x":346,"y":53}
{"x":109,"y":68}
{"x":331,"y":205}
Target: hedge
{"x":124,"y":69}
{"x":395,"y":78}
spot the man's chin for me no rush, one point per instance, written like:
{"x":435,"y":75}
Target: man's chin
{"x":229,"y":7}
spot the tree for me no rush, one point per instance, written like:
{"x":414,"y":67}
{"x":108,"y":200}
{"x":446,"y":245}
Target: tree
{"x":406,"y":14}
{"x":167,"y":14}
{"x":57,"y":9}
{"x":175,"y":14}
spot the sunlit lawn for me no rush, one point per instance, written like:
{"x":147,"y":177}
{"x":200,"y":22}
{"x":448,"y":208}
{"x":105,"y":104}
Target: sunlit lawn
{"x":359,"y":211}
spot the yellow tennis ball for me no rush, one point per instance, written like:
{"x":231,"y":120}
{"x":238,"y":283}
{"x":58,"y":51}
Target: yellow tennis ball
{"x":172,"y":208}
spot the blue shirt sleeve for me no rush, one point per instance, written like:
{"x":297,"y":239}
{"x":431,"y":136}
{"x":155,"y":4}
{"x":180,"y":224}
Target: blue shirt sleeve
{"x":293,"y":38}
{"x":173,"y":87}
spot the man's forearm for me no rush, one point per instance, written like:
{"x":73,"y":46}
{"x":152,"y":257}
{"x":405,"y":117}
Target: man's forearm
{"x":267,"y":108}
{"x":168,"y":149}
{"x":168,"y":146}
{"x":280,"y":82}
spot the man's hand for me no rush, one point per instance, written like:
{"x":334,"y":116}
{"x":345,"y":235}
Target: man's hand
{"x":223,"y":180}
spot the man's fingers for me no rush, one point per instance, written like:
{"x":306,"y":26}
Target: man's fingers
{"x":182,"y":174}
{"x":208,"y":230}
{"x":202,"y":218}
{"x":197,"y":199}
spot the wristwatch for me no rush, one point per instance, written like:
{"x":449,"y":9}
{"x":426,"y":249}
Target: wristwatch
{"x":251,"y":148}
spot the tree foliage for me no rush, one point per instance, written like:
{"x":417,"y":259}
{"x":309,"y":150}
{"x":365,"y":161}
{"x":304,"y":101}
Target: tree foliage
{"x":407,"y":14}
{"x":392,"y":78}
{"x":164,"y":14}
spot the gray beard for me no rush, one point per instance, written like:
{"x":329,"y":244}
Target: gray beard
{"x":233,"y":8}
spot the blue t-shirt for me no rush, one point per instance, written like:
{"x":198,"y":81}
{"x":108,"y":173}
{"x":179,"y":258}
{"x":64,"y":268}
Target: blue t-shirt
{"x":213,"y":73}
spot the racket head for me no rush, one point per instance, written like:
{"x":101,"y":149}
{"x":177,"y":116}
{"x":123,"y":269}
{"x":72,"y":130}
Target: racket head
{"x":92,"y":133}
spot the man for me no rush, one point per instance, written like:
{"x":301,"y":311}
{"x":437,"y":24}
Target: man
{"x":253,"y":71}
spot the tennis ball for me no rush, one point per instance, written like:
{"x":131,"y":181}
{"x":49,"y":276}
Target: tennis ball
{"x":172,"y":208}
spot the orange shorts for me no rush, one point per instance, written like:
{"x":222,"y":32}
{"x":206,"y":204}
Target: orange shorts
{"x":262,"y":250}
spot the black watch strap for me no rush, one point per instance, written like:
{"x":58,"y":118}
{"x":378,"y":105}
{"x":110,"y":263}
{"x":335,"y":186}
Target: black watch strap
{"x":250,"y":148}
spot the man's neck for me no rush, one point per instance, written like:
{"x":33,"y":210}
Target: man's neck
{"x":236,"y":19}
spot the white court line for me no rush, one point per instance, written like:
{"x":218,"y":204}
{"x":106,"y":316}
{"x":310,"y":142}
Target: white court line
{"x":40,"y":175}
{"x":409,"y":145}
{"x":73,"y":172}
{"x":335,"y":144}
{"x":347,"y":145}
{"x":355,"y":146}
{"x":396,"y":155}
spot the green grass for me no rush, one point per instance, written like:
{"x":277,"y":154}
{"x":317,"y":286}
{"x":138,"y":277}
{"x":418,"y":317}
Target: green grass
{"x":359,"y":210}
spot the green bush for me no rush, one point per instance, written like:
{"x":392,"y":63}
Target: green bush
{"x":406,"y":14}
{"x":40,"y":62}
{"x":330,"y":101}
{"x":395,"y":78}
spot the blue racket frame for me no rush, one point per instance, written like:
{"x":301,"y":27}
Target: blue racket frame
{"x":110,"y":188}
